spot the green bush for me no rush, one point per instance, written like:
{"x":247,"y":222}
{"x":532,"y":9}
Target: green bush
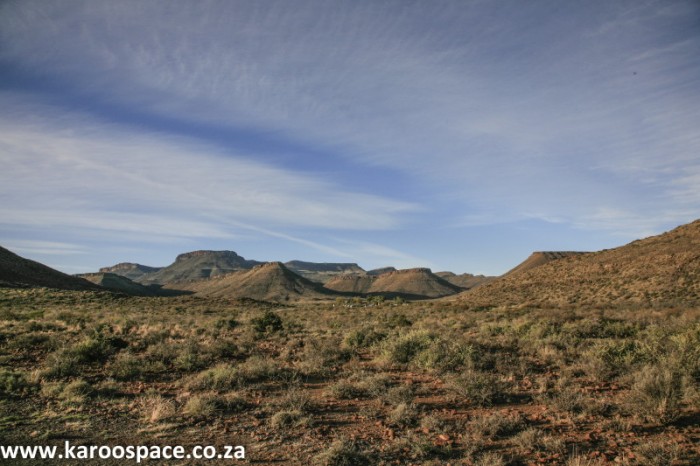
{"x":403,"y":348}
{"x":657,"y":393}
{"x":269,"y":322}
{"x":13,"y":383}
{"x":363,"y":338}
{"x":479,"y":388}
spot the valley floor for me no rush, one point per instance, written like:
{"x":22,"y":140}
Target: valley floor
{"x":350,"y":382}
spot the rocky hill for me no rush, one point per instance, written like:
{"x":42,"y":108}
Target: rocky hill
{"x":16,"y":271}
{"x":130,"y":270}
{"x":661,"y":270}
{"x":322,"y":272}
{"x":197,"y":265}
{"x":418,"y":283}
{"x":267,"y":282}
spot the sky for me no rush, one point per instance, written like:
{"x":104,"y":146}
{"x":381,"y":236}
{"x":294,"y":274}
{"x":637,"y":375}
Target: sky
{"x":456,"y":135}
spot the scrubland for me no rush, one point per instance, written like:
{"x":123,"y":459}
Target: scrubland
{"x":353,"y":382}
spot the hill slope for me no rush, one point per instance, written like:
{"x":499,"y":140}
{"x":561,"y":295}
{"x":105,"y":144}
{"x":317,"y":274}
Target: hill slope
{"x":267,"y":282}
{"x":538,"y":258}
{"x":197,"y":265}
{"x":661,"y":270}
{"x":16,"y":271}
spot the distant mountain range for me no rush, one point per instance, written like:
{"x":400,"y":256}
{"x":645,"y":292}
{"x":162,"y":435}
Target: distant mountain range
{"x":195,"y":271}
{"x":661,"y":270}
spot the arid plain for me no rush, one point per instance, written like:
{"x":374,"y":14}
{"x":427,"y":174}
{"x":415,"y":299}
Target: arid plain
{"x":569,"y":359}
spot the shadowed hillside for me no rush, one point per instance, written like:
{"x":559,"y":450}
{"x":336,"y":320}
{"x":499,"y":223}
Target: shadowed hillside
{"x":661,"y":270}
{"x":322,"y":272}
{"x":16,"y":271}
{"x":465,"y":280}
{"x":120,"y":283}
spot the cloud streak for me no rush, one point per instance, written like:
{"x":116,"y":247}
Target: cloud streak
{"x":81,"y":174}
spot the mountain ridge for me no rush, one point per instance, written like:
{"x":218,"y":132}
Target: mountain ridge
{"x":660,"y":270}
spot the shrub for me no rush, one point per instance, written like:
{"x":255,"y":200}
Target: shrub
{"x":257,"y":369}
{"x":155,"y":408}
{"x":656,"y":393}
{"x":220,"y":377}
{"x":404,"y":415}
{"x":568,"y":400}
{"x":288,"y":419}
{"x":444,"y":355}
{"x":77,"y":392}
{"x":343,"y":453}
{"x":190,"y":358}
{"x":496,"y":425}
{"x":269,"y":322}
{"x":401,"y":394}
{"x":60,"y":364}
{"x":201,"y":406}
{"x":363,"y":338}
{"x":126,"y":366}
{"x":657,"y":453}
{"x":402,"y":349}
{"x":296,"y":399}
{"x":480,"y":388}
{"x":490,"y":459}
{"x":13,"y":383}
{"x":347,"y":390}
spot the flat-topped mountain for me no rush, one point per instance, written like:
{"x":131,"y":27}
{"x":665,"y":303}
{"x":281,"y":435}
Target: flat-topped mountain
{"x":197,"y":265}
{"x":271,"y":281}
{"x":16,"y":271}
{"x":465,"y":280}
{"x":419,"y":282}
{"x":130,"y":270}
{"x":661,"y":270}
{"x":415,"y":283}
{"x":539,"y":258}
{"x":322,"y":272}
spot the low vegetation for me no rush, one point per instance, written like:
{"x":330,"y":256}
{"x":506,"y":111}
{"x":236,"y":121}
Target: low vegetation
{"x":379,"y":382}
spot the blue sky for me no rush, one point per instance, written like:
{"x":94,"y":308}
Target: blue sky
{"x":458,"y":135}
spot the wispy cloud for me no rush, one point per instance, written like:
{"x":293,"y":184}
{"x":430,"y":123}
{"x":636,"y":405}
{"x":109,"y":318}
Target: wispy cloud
{"x":44,"y":247}
{"x":470,"y":105}
{"x":74,"y":172}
